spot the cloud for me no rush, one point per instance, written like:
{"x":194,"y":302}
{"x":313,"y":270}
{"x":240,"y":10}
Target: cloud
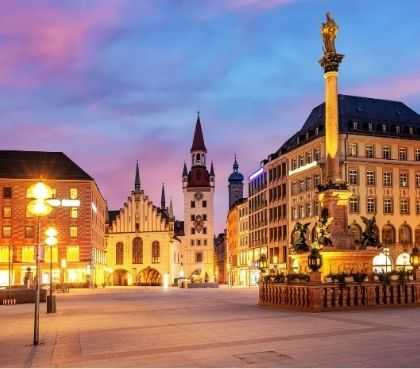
{"x":399,"y":87}
{"x":44,"y":40}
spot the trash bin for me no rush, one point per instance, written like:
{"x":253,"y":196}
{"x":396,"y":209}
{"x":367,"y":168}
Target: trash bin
{"x":51,"y":304}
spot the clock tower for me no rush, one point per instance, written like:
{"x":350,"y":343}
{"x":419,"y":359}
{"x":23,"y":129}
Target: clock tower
{"x":198,"y":187}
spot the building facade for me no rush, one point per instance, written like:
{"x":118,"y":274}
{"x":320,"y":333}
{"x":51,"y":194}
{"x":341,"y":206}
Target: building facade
{"x":79,"y":257}
{"x":141,"y":245}
{"x":220,"y":258}
{"x":198,"y":186}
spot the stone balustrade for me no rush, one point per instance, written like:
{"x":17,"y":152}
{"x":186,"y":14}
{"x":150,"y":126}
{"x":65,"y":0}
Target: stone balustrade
{"x":317,"y":296}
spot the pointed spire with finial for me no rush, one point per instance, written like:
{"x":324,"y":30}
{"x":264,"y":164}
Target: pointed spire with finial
{"x":185,"y":170}
{"x":137,"y":179}
{"x":162,"y":198}
{"x":235,"y":165}
{"x":198,"y":141}
{"x":212,"y":170}
{"x":171,"y":209}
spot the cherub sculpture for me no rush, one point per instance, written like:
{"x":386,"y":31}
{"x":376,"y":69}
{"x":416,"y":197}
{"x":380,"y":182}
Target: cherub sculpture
{"x":370,"y":234}
{"x":323,"y":235}
{"x":299,"y":233}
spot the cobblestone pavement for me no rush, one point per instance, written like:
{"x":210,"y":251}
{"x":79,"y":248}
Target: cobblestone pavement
{"x":152,"y":327}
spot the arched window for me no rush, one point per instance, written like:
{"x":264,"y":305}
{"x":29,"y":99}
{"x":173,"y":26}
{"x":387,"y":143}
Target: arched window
{"x":155,"y":252}
{"x":388,"y":234}
{"x":355,"y":233}
{"x":405,"y":234}
{"x":198,"y":157}
{"x":382,"y":263}
{"x":403,"y":261}
{"x":119,"y":253}
{"x":137,"y":251}
{"x":417,"y":236}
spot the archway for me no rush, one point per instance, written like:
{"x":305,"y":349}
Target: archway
{"x":388,"y":234}
{"x":149,"y":277}
{"x":120,"y":277}
{"x":404,"y":234}
{"x":382,"y":263}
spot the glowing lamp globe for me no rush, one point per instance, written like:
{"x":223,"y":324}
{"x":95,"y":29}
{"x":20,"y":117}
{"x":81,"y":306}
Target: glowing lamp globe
{"x":39,"y":207}
{"x":415,"y":258}
{"x":40,"y":191}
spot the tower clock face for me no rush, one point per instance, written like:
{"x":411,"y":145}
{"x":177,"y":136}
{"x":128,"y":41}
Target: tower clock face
{"x":198,"y":196}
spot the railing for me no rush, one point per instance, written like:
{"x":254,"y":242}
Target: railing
{"x":318,"y":297}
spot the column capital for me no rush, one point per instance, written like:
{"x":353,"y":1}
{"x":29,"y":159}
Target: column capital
{"x":331,"y":61}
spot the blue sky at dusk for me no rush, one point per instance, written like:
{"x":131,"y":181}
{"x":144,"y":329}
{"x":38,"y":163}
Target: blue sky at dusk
{"x":110,"y":82}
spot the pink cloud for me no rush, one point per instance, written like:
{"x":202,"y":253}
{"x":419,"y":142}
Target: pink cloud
{"x":38,"y":41}
{"x":392,"y":88}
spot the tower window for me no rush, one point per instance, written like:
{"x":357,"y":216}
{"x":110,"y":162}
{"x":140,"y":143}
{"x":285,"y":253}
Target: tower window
{"x":193,"y":204}
{"x":204,"y":204}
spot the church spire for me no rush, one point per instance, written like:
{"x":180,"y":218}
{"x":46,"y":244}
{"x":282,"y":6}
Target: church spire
{"x":171,"y":209}
{"x":198,"y":141}
{"x":137,"y":179}
{"x":235,"y":165}
{"x":162,"y":198}
{"x":211,"y":170}
{"x":185,"y":170}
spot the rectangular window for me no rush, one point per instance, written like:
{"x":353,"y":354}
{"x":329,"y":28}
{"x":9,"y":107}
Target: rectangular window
{"x":73,"y":231}
{"x":404,"y":206}
{"x":205,"y":217}
{"x":198,"y":242}
{"x":404,"y":179}
{"x":204,"y":230}
{"x":192,"y":242}
{"x":317,"y":180}
{"x":192,"y":204}
{"x":301,"y":160}
{"x":7,"y":192}
{"x":48,"y":250}
{"x":370,"y":178}
{"x":28,"y":254}
{"x":308,"y":210}
{"x":371,"y":205}
{"x":192,"y":217}
{"x":353,"y":150}
{"x":204,"y":203}
{"x":7,"y":231}
{"x":417,"y":207}
{"x":388,"y":206}
{"x":28,"y":213}
{"x":29,"y":231}
{"x":317,"y":154}
{"x":4,"y":254}
{"x":353,"y":177}
{"x":301,"y":211}
{"x":370,"y":151}
{"x":309,"y":157}
{"x":192,"y":230}
{"x":417,"y":154}
{"x":387,"y":178}
{"x":74,"y":213}
{"x":417,"y":179}
{"x":73,"y":253}
{"x":386,"y":152}
{"x":354,"y":205}
{"x":74,"y":193}
{"x":403,"y":153}
{"x":199,"y":257}
{"x":7,"y":212}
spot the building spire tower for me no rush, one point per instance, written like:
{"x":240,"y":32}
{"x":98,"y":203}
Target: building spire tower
{"x":198,"y":185}
{"x":137,"y":179}
{"x":236,"y":184}
{"x":162,"y":198}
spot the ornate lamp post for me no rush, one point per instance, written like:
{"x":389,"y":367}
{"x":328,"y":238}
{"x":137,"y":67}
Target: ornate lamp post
{"x":51,"y":241}
{"x":415,"y":262}
{"x":38,"y":206}
{"x":314,"y":260}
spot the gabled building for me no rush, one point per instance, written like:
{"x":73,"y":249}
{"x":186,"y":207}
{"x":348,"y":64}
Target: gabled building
{"x":142,"y":248}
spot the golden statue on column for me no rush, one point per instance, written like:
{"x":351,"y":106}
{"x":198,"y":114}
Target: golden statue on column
{"x":329,"y":31}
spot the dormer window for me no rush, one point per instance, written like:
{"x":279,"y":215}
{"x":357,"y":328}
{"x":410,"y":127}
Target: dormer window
{"x":370,"y":126}
{"x":397,"y":130}
{"x":411,"y":130}
{"x":297,"y":140}
{"x":355,"y":125}
{"x":383,"y":127}
{"x":317,"y":130}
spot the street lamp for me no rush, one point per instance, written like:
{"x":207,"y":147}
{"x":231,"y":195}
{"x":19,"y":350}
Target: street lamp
{"x":51,"y":241}
{"x":415,"y":260}
{"x":38,"y":206}
{"x":63,"y":266}
{"x":314,"y":260}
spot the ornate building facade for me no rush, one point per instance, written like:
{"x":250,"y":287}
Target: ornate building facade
{"x":198,"y":186}
{"x":142,"y":248}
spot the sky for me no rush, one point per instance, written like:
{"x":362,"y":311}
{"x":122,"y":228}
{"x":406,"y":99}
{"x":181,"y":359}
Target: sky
{"x":112,"y":82}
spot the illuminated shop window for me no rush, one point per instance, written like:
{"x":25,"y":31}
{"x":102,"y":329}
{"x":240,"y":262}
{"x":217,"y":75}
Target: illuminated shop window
{"x":28,"y":254}
{"x":73,"y":253}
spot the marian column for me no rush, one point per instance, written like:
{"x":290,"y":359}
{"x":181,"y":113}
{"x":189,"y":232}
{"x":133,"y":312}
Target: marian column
{"x":333,"y":194}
